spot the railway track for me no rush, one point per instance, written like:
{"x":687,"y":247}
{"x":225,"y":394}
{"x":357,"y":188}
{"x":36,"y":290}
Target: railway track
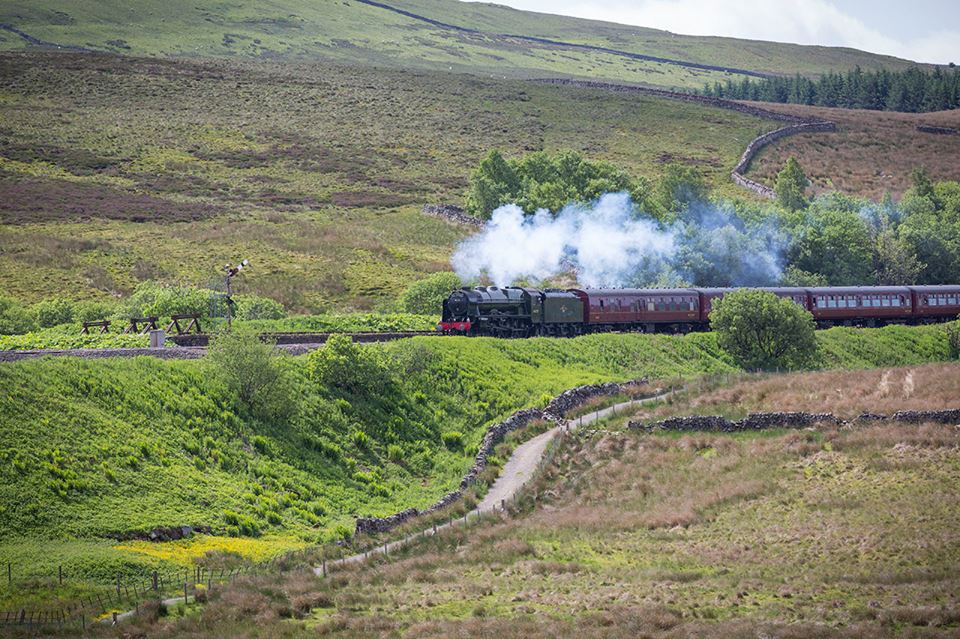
{"x":195,"y":346}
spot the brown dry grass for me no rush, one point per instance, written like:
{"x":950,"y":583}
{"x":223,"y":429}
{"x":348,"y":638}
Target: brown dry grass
{"x":843,"y":393}
{"x":872,"y":153}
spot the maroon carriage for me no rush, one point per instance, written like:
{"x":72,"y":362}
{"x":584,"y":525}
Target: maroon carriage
{"x":935,"y":303}
{"x":861,"y":305}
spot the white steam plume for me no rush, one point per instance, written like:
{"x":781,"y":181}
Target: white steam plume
{"x":604,"y":242}
{"x":608,"y":244}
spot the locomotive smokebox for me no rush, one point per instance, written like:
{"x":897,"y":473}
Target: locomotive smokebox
{"x":457,"y":303}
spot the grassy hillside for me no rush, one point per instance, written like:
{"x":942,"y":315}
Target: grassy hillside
{"x":116,"y":170}
{"x":110,"y":446}
{"x":821,"y":532}
{"x":436,"y":34}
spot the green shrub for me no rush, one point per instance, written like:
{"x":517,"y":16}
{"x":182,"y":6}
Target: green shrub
{"x":152,"y":299}
{"x":395,"y":453}
{"x":14,"y":318}
{"x":251,"y":370}
{"x":253,"y":307}
{"x":360,"y":439}
{"x":452,"y":440}
{"x":260,"y":444}
{"x":53,"y":312}
{"x":953,"y":339}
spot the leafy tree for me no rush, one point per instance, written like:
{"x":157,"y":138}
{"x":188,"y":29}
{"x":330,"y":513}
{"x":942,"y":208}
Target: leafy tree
{"x":922,"y":184}
{"x":763,"y":331}
{"x":790,"y":186}
{"x":834,"y":243}
{"x":896,"y":262}
{"x":680,"y":186}
{"x":14,"y":318}
{"x":793,"y":276}
{"x":541,"y":181}
{"x":426,"y":296}
{"x":251,"y":370}
{"x":493,"y":183}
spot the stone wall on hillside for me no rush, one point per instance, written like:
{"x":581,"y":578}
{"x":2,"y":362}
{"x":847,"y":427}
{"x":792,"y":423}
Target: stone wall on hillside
{"x":767,"y":138}
{"x":798,"y":124}
{"x":759,"y":421}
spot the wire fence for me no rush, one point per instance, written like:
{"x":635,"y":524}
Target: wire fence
{"x":125,"y":594}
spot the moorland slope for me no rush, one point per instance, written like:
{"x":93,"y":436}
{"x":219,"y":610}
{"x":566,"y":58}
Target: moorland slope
{"x":424,"y":34}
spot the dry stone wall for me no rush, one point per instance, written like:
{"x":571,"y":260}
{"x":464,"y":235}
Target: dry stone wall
{"x":760,"y":421}
{"x":767,"y":138}
{"x":798,"y":124}
{"x":565,"y":401}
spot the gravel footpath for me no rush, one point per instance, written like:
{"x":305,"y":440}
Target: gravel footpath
{"x":518,"y":470}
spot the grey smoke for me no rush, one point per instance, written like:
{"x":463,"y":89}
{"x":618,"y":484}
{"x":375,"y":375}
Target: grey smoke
{"x":610,"y":243}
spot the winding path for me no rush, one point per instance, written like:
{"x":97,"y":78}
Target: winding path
{"x":519,"y":469}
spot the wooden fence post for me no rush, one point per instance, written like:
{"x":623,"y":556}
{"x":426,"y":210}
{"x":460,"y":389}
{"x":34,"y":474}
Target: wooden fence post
{"x":185,"y":592}
{"x":324,"y":564}
{"x":60,"y":574}
{"x":154,"y":580}
{"x":118,"y":585}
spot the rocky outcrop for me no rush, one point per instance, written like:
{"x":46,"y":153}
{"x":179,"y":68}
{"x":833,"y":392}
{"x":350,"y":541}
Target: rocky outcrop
{"x":452,"y":213}
{"x":760,"y":421}
{"x":565,"y":401}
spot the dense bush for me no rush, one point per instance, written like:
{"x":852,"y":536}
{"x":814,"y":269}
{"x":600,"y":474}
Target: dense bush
{"x":151,"y":299}
{"x":53,"y":312}
{"x":763,"y":331}
{"x":425,"y":297}
{"x":14,"y":318}
{"x":250,"y":369}
{"x":252,"y":307}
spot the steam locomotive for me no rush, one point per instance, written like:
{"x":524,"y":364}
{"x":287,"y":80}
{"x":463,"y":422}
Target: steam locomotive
{"x":527,"y":312}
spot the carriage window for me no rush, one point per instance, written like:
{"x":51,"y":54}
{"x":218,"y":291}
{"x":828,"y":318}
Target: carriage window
{"x":831,"y":302}
{"x":897,"y":301}
{"x":934,"y":301}
{"x":650,"y":305}
{"x":693,"y":305}
{"x":886,"y":301}
{"x":951,"y":300}
{"x":601,"y":305}
{"x":821,"y":302}
{"x":842,"y":302}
